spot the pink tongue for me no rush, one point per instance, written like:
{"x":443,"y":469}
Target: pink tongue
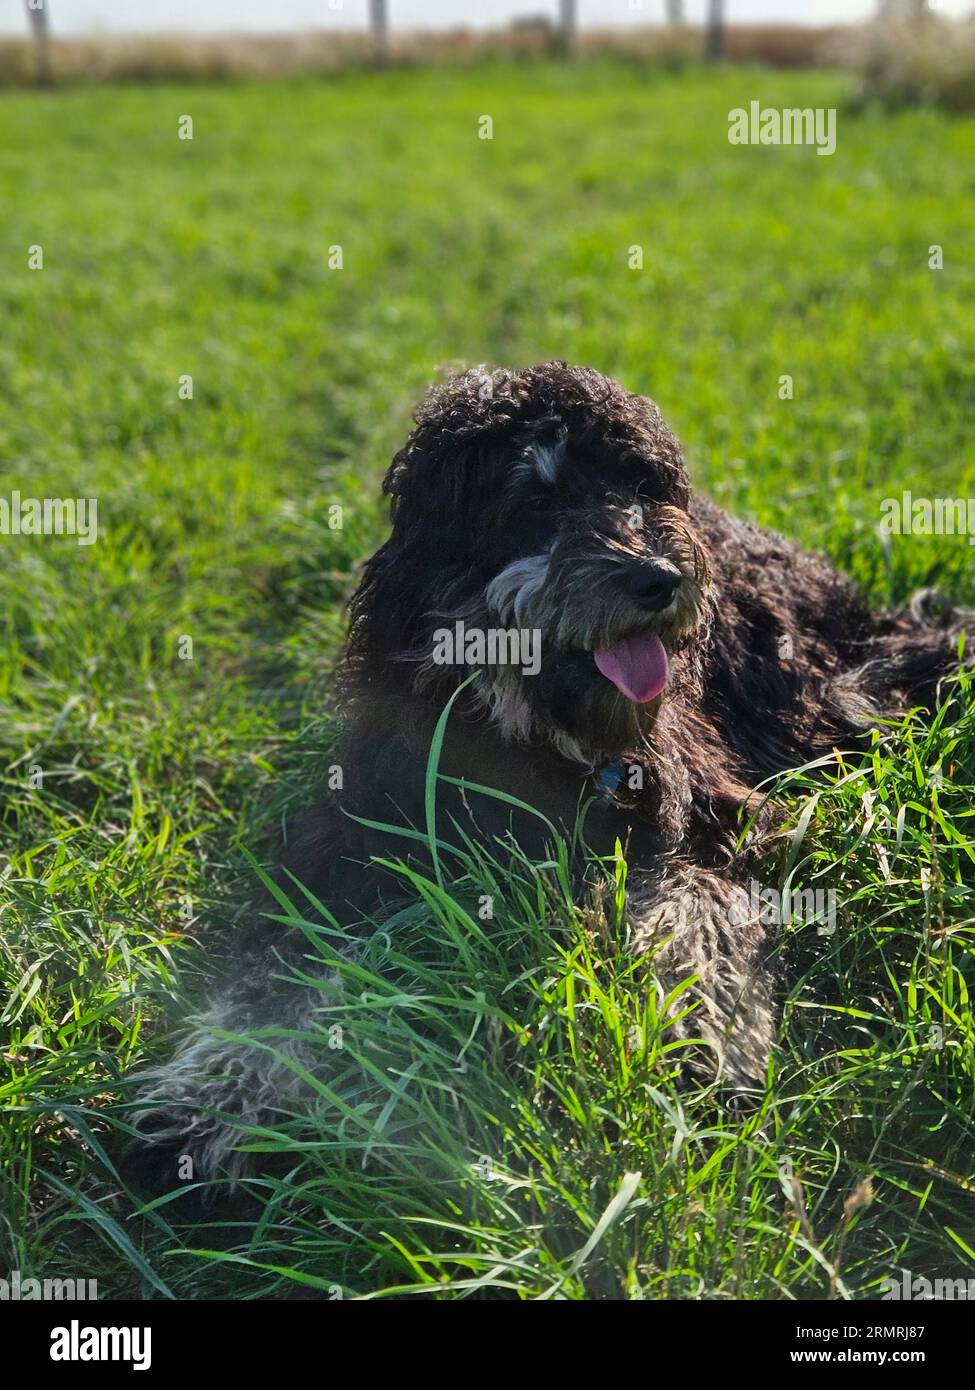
{"x":637,"y":667}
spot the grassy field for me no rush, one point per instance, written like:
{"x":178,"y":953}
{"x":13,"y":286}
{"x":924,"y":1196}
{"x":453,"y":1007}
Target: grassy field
{"x":509,"y":1123}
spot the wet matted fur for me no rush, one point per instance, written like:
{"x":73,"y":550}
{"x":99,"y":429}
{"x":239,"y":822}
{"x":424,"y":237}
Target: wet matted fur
{"x":551,"y":501}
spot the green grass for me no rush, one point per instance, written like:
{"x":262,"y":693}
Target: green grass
{"x":498,"y":1089}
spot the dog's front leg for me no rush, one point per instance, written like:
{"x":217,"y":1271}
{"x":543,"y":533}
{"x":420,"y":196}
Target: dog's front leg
{"x":699,"y":926}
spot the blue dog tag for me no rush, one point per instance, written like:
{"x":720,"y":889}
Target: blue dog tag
{"x":608,"y":778}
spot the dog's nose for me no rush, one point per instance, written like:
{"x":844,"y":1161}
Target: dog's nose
{"x":653,"y":583}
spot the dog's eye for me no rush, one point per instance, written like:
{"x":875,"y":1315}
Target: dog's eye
{"x":655,"y":491}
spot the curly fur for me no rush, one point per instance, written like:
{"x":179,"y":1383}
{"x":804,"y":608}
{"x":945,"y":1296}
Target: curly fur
{"x":532,"y":498}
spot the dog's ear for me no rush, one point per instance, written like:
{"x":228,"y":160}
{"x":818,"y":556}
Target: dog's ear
{"x":439,"y":484}
{"x":430,"y":478}
{"x":426,"y":556}
{"x":461,"y":429}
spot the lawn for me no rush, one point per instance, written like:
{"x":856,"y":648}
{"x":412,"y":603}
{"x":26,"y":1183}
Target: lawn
{"x":509,"y":1123}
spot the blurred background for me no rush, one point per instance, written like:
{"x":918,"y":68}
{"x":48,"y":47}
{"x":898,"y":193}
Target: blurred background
{"x":45,"y":39}
{"x":84,"y":16}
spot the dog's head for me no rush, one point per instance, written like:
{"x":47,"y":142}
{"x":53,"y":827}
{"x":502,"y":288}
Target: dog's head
{"x":540,"y":533}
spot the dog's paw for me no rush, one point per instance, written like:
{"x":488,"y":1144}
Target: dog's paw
{"x":180,"y":1149}
{"x":197,"y":1114}
{"x":193,"y":1115}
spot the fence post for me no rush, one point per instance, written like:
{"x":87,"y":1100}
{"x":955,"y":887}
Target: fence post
{"x":37,"y":14}
{"x":379,"y":24}
{"x":567,"y":24}
{"x":715,"y":36}
{"x":675,"y":11}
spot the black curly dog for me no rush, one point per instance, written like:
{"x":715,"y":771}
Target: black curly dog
{"x":649,"y":651}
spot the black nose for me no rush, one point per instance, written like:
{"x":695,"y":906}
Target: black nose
{"x":653,"y":583}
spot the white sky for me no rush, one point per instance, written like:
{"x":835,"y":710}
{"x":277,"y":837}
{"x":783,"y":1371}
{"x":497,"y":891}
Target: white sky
{"x":154,"y":16}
